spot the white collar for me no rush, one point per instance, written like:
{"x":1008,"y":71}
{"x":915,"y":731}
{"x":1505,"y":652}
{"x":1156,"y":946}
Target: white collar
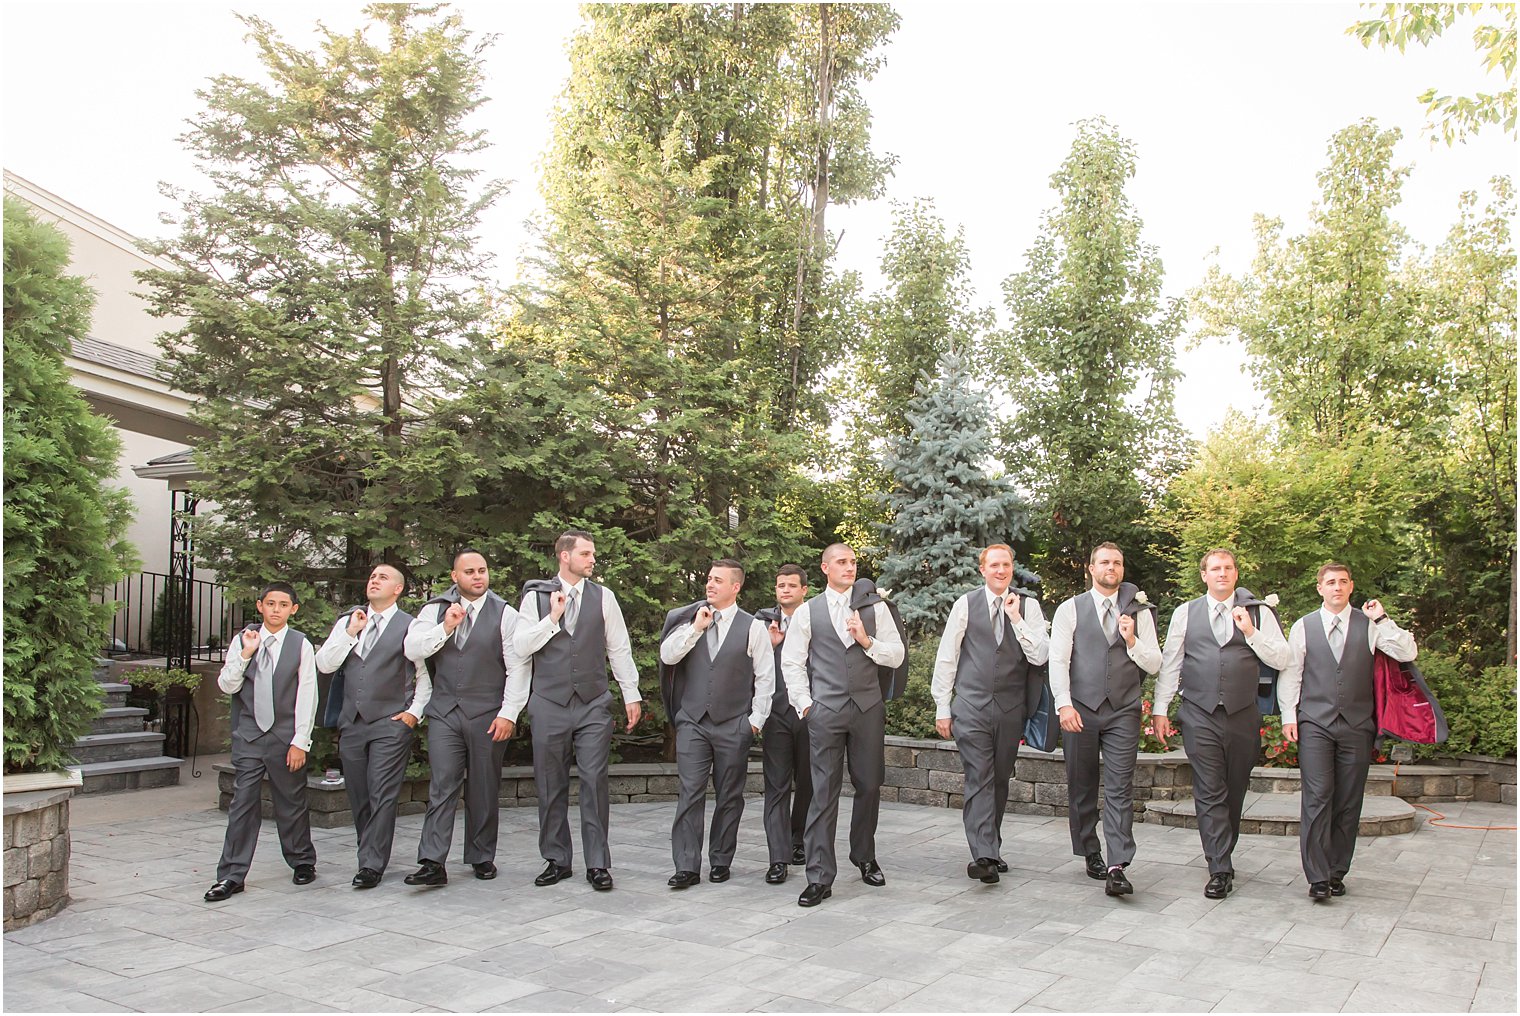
{"x":1214,"y":604}
{"x":995,"y":597}
{"x":843,"y":599}
{"x":386,"y":614}
{"x":472,"y":606}
{"x":578,"y":587}
{"x":278,"y":636}
{"x":1098,"y":597}
{"x":726,"y":613}
{"x":1331,"y":615}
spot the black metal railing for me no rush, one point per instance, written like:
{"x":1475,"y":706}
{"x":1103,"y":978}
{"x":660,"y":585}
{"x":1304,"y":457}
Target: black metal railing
{"x":142,"y":626}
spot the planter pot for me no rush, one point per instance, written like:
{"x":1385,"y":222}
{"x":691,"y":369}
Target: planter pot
{"x":36,"y":852}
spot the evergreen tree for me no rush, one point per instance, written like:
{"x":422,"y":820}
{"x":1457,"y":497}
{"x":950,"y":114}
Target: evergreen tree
{"x":332,"y":296}
{"x":1090,"y":361}
{"x":63,"y":526}
{"x":944,"y":504}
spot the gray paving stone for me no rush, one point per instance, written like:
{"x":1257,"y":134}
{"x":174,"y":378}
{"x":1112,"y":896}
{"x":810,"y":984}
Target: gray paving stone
{"x":57,"y":1001}
{"x":557,"y":1001}
{"x":274,"y":1002}
{"x":178,"y":994}
{"x":452,"y":987}
{"x":960,"y":992}
{"x":1370,"y":996}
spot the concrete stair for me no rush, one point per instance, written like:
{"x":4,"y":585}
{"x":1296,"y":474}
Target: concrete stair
{"x":117,"y":754}
{"x":1277,"y":814}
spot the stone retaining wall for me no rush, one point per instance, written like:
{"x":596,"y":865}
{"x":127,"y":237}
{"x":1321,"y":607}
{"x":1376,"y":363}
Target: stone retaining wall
{"x":1496,"y":782}
{"x":36,"y":855}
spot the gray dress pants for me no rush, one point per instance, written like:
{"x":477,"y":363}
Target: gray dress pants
{"x":583,"y":729}
{"x":705,"y":748}
{"x":788,"y":783}
{"x":374,"y":754}
{"x":1116,"y":733}
{"x":989,"y":745}
{"x":1333,"y":762}
{"x":461,"y":753}
{"x":837,"y":736}
{"x":1223,"y":748}
{"x":252,"y":762}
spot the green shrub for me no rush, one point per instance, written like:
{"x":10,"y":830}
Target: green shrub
{"x":1479,"y":707}
{"x":911,"y":714}
{"x":63,"y":527}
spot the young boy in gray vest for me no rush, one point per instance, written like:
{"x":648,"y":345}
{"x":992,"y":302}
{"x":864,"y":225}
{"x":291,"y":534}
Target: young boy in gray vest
{"x":1325,"y":692}
{"x":273,"y":684}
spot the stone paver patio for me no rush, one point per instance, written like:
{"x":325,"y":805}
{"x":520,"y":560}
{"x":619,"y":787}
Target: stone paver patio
{"x":1428,"y":925}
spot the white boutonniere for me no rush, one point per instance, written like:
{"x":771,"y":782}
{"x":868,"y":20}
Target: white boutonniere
{"x":1143,"y":600}
{"x":1271,"y":599}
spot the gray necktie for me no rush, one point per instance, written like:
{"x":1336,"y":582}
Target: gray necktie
{"x":714,"y":640}
{"x":1337,"y":639}
{"x":371,"y":636}
{"x":1110,"y":629}
{"x":572,"y":610}
{"x":263,"y":686}
{"x":997,"y":619}
{"x":1221,"y":624}
{"x":462,"y":633}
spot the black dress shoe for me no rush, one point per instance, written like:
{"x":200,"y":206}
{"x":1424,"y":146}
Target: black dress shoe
{"x":799,"y":856}
{"x":1319,"y":891}
{"x":776,"y":874}
{"x":684,"y":880}
{"x":600,"y":878}
{"x":1221,"y":884}
{"x":1002,"y":865}
{"x":553,"y":873}
{"x":1117,"y":884}
{"x":870,"y":873}
{"x":1095,"y":866}
{"x":984,"y":868}
{"x":1337,"y":887}
{"x":305,"y":874}
{"x":225,"y":889}
{"x":431,"y":873}
{"x":719,"y":873}
{"x":484,"y":870}
{"x":367,"y":878}
{"x":814,"y":894}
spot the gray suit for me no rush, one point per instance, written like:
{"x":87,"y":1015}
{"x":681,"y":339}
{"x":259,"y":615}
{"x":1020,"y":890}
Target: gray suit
{"x":787,"y":762}
{"x":257,"y":754}
{"x":373,"y":747}
{"x":468,"y":686}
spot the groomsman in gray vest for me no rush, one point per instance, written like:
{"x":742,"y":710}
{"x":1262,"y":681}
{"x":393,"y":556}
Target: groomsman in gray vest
{"x":274,"y":706}
{"x":1102,"y":644}
{"x":384,"y":696}
{"x":1214,"y":652}
{"x":786,"y":758}
{"x":464,"y":638}
{"x":568,"y":638}
{"x":1327,"y":702}
{"x":992,"y":638}
{"x":722,"y":672}
{"x":830,"y":660}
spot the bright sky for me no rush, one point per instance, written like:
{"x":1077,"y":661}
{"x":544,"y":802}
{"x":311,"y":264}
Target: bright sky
{"x":1230,"y":105}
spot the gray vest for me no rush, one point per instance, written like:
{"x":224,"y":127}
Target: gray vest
{"x":575,"y":666}
{"x":287,"y":672}
{"x":721,"y":688}
{"x":1333,"y":689}
{"x":989,"y":672}
{"x":380,"y":684}
{"x":1215,"y":675}
{"x":838,"y":674}
{"x":1100,"y":670}
{"x":473,"y":679}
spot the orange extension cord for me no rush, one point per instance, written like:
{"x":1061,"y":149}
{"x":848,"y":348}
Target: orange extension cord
{"x":1440,"y":820}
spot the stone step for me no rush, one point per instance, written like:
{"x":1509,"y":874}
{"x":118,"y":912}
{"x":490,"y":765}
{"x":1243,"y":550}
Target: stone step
{"x":115,"y":694}
{"x":1271,"y":780}
{"x":119,"y":720}
{"x":129,"y":774}
{"x":113,"y":747}
{"x":1277,"y":814}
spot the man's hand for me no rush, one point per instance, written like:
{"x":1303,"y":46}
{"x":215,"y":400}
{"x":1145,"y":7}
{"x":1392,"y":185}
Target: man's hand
{"x":407,"y":718}
{"x":1374,"y":610}
{"x":356,"y":622}
{"x":754,"y":731}
{"x":703,"y":620}
{"x":1071,"y":720}
{"x":452,"y":617}
{"x":250,"y":643}
{"x":942,"y":728}
{"x":1011,"y":608}
{"x":556,"y":605}
{"x":777,"y":635}
{"x":1127,"y":629}
{"x":500,"y":729}
{"x":1162,"y":724}
{"x":635,"y":710}
{"x":857,"y":628}
{"x":295,"y":759}
{"x":1290,"y":732}
{"x":1242,"y":618}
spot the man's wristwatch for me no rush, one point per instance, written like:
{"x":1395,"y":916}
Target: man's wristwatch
{"x":1381,"y":618}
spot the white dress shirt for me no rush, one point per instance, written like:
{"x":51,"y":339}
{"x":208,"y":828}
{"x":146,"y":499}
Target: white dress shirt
{"x":1145,"y":653}
{"x":1030,"y":629}
{"x":230,"y":680}
{"x":886,"y":649}
{"x":1268,"y":644}
{"x":684,"y":638}
{"x":1386,"y":637}
{"x":533,"y":631}
{"x":340,"y":643}
{"x":427,"y":634}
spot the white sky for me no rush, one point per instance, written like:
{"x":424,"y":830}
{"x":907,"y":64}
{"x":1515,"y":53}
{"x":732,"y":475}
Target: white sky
{"x":1230,"y":105}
